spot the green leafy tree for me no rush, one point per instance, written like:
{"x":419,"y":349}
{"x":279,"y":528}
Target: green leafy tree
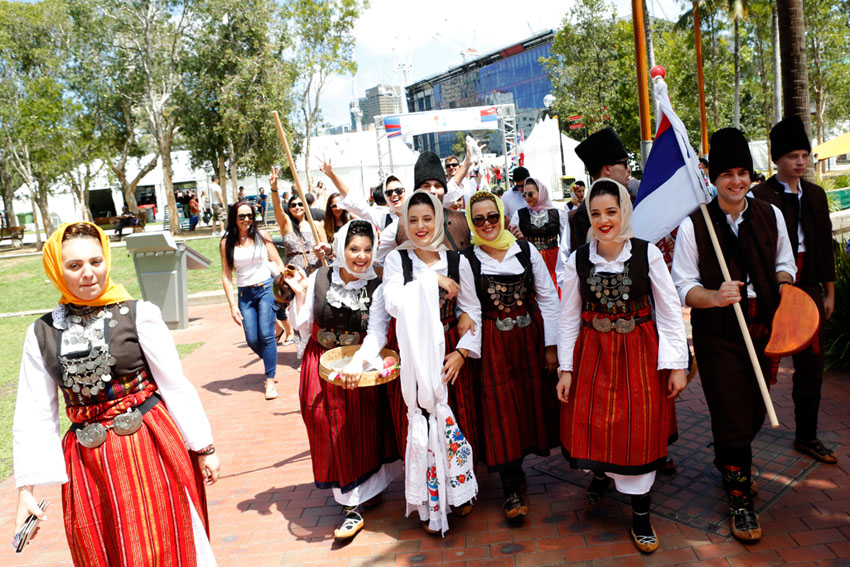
{"x":323,"y":48}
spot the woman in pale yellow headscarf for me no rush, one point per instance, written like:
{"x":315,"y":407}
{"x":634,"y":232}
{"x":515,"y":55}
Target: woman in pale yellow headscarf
{"x":621,"y":361}
{"x":519,"y":307}
{"x":114,"y":361}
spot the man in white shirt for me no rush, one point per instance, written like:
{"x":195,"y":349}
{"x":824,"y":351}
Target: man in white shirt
{"x":754,"y":241}
{"x":218,"y":214}
{"x":512,"y":198}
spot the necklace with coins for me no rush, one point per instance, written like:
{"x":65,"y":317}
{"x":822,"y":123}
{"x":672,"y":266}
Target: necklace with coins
{"x":506,"y":295}
{"x":611,"y":290}
{"x":84,"y":348}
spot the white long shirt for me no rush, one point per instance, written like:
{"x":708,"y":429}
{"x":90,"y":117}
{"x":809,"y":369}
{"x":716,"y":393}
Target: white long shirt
{"x":357,"y":205}
{"x":37,"y":447}
{"x":513,"y":201}
{"x":686,"y":258}
{"x":467,"y":300}
{"x":563,"y":238}
{"x":547,"y":295}
{"x":672,"y":341}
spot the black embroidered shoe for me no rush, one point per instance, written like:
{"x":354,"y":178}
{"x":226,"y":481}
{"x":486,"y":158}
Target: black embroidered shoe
{"x":745,"y":525}
{"x":596,"y":492}
{"x":515,"y":506}
{"x":816,"y":450}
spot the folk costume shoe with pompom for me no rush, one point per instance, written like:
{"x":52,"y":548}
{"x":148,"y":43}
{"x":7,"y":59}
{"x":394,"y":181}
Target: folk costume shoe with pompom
{"x":739,"y":491}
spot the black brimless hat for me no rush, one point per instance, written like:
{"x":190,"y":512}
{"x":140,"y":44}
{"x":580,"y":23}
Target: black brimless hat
{"x":787,"y":136}
{"x":428,"y":166}
{"x":600,"y":149}
{"x":728,"y":148}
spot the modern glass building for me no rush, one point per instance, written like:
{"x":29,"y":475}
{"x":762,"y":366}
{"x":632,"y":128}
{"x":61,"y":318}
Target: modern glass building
{"x":510,"y":75}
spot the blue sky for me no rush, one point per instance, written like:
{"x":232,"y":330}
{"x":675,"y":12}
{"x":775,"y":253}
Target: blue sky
{"x":430,"y":36}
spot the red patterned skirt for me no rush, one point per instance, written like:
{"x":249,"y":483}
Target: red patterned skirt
{"x":348,"y":430}
{"x":519,"y":408}
{"x":128,"y":502}
{"x":462,"y":396}
{"x":550,"y":256}
{"x":619,"y":418}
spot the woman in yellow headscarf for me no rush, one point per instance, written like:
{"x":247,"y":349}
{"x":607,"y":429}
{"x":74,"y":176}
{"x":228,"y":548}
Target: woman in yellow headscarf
{"x":133,"y":469}
{"x":519,"y":306}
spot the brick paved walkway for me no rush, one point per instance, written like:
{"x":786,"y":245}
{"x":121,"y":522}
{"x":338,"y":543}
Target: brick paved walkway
{"x":266,"y":511}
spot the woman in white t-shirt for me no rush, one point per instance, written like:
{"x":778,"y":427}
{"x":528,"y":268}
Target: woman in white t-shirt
{"x":250,"y":252}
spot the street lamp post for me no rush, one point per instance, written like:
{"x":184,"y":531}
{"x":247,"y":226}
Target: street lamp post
{"x":548,"y":102}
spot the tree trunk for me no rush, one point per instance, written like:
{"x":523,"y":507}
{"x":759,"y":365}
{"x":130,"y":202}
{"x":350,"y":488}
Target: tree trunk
{"x":777,"y":73}
{"x":795,"y":75}
{"x":41,"y":195}
{"x":167,"y":137}
{"x":309,"y":184}
{"x":8,"y":194}
{"x":222,"y":180}
{"x":765,"y":89}
{"x":39,"y":244}
{"x":737,"y":108}
{"x":234,"y":175}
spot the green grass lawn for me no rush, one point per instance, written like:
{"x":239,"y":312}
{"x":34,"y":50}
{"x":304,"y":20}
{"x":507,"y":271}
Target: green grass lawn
{"x":24,"y":287}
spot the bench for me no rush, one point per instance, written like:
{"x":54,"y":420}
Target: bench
{"x":14,"y":234}
{"x":107,"y":223}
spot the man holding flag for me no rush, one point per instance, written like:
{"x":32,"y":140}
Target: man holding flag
{"x":754,"y":241}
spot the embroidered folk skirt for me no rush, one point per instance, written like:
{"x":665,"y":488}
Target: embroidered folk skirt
{"x":462,"y":395}
{"x":619,"y":418}
{"x":348,"y":430}
{"x":519,"y":409}
{"x":128,"y":502}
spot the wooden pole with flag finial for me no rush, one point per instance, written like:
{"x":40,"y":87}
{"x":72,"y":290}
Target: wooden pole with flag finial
{"x":659,"y":72}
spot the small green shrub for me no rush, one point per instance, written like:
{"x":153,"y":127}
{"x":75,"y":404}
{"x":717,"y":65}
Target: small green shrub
{"x":838,"y":326}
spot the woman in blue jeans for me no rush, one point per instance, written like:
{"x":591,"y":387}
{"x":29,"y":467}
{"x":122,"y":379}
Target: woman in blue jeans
{"x":250,"y":252}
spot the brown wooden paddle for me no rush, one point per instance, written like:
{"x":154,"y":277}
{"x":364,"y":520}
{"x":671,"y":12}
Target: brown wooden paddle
{"x":795,"y":323}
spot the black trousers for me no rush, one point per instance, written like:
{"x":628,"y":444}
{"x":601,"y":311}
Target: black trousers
{"x":808,"y":374}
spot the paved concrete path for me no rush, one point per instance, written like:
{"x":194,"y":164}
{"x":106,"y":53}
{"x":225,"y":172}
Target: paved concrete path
{"x":266,"y":511}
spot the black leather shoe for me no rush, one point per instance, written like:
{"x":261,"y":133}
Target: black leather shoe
{"x":515,"y":506}
{"x":745,"y":525}
{"x":596,"y":492}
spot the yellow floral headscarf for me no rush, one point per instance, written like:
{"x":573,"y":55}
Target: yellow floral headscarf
{"x":52,"y":259}
{"x":505,"y":239}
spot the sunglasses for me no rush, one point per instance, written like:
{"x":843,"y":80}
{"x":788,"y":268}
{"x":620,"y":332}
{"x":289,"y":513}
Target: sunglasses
{"x":492,"y":218}
{"x":529,"y":194}
{"x":245,"y":216}
{"x":397,"y":191}
{"x":334,"y":206}
{"x":452,"y":165}
{"x":295,"y":205}
{"x":623,"y":162}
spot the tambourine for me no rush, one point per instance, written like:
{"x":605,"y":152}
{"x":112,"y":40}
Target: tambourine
{"x":335,"y":359}
{"x":282,"y":292}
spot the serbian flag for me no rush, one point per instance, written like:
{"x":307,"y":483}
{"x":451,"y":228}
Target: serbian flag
{"x":489,"y":114}
{"x":392,"y":126}
{"x":672,"y":186}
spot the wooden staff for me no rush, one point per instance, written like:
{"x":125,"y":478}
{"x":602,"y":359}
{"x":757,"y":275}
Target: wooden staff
{"x":298,"y":190}
{"x":765,"y":393}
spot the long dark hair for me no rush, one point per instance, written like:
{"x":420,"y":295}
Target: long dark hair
{"x":330,"y":219}
{"x":231,"y":237}
{"x":295,"y":221}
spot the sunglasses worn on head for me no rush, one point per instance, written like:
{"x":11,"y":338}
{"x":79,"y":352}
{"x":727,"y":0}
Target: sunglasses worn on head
{"x":492,"y":218}
{"x":245,"y":216}
{"x":397,"y":191}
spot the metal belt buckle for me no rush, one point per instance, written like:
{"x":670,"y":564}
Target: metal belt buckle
{"x":347,"y":339}
{"x":624,"y":326}
{"x":127,"y":423}
{"x":92,"y":435}
{"x":326,"y":338}
{"x":602,"y":324}
{"x":506,"y":324}
{"x":523,"y":321}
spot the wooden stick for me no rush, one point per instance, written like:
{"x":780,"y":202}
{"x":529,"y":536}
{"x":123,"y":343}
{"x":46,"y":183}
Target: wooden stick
{"x":765,"y":394}
{"x":298,"y":189}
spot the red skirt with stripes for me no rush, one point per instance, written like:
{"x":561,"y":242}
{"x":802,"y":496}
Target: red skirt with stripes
{"x":550,"y":256}
{"x":462,"y":396}
{"x":348,"y":430}
{"x":619,"y":418}
{"x":128,"y":502}
{"x":519,"y":408}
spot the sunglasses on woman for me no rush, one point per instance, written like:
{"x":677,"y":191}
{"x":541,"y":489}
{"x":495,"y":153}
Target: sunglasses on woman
{"x":295,"y":205}
{"x":397,"y":191}
{"x":492,"y":218}
{"x":245,"y":216}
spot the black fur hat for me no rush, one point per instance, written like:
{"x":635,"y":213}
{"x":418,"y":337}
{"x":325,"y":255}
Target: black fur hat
{"x":728,"y":148}
{"x":788,"y":135}
{"x":428,"y":166}
{"x":600,"y":149}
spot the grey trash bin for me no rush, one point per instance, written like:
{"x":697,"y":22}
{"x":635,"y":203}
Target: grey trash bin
{"x":161,"y":265}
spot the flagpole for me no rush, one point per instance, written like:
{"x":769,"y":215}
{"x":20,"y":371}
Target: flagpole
{"x":642,"y":82}
{"x":703,"y":120}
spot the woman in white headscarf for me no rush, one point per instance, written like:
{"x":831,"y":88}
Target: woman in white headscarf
{"x":352,"y":445}
{"x":544,"y":225}
{"x":423,"y":285}
{"x":621,"y":363}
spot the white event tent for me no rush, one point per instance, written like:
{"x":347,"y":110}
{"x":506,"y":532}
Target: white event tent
{"x":541,"y":151}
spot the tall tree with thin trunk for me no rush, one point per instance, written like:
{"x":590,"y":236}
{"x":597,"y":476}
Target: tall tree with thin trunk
{"x":792,"y":48}
{"x":777,"y":67}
